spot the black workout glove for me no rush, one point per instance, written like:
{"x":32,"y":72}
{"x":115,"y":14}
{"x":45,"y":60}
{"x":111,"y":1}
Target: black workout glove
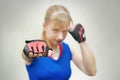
{"x":77,"y":31}
{"x":36,"y":47}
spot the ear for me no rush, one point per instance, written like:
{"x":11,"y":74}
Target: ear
{"x":44,"y":26}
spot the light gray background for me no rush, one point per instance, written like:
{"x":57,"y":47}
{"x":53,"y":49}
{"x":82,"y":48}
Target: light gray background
{"x":22,"y":19}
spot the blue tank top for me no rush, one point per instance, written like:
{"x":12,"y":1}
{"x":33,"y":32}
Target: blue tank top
{"x":46,"y":68}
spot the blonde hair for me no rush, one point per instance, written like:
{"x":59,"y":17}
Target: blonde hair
{"x":59,"y":14}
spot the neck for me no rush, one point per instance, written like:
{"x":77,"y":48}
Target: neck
{"x":53,"y":46}
{"x":56,"y":53}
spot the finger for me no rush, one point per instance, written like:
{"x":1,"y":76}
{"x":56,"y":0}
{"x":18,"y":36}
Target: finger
{"x":41,"y":48}
{"x":35,"y":54}
{"x":35,"y":50}
{"x":31,"y":54}
{"x":39,"y":55}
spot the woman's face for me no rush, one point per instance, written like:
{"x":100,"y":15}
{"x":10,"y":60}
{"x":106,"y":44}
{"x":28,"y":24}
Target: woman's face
{"x":55,"y":34}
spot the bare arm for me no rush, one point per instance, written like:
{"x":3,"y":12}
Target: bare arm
{"x":82,"y":55}
{"x":26,"y":59}
{"x":84,"y":58}
{"x":34,"y":49}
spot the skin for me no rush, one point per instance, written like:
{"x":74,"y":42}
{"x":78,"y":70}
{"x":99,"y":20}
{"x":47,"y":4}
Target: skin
{"x":55,"y":34}
{"x":82,"y":55}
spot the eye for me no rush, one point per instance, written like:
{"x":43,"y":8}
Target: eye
{"x":65,"y":31}
{"x":55,"y":30}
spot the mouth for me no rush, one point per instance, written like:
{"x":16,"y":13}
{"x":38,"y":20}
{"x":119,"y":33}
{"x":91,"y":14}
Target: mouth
{"x":59,"y":42}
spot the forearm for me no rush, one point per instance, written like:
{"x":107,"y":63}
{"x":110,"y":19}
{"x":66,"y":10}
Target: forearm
{"x":88,"y":58}
{"x":26,"y":59}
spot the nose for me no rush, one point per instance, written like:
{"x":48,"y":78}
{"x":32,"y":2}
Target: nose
{"x":60,"y":36}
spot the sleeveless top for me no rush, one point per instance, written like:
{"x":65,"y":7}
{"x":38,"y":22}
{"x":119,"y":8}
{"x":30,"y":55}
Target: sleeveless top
{"x":46,"y":68}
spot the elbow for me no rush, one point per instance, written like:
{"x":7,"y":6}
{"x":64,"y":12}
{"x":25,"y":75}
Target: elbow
{"x":92,"y":73}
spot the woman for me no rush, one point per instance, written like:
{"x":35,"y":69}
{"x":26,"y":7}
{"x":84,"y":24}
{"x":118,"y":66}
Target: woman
{"x":49,"y":58}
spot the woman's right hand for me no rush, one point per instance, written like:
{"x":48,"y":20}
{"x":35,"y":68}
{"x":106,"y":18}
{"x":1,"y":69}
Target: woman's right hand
{"x":36,"y":48}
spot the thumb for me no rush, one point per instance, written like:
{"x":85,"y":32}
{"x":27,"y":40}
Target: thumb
{"x":50,"y":52}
